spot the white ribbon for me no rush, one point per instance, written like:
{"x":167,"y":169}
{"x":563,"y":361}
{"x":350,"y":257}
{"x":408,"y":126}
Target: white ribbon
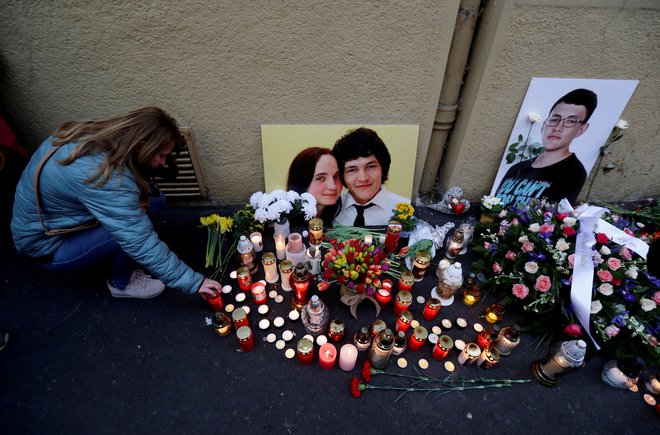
{"x":583,"y":266}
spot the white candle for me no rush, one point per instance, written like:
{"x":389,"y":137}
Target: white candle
{"x":257,"y":241}
{"x":347,"y":357}
{"x":368,"y":239}
{"x":280,"y":247}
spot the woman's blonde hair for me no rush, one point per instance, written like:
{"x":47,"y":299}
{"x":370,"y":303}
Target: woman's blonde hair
{"x":128,"y":141}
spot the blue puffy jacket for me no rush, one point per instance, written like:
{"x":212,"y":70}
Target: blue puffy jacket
{"x":67,"y":200}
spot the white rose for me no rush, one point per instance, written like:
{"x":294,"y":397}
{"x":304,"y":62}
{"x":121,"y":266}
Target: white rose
{"x":561,"y":245}
{"x":570,"y":221}
{"x":605,"y":250}
{"x":531,"y":267}
{"x":632,"y":272}
{"x":535,"y":117}
{"x":534,"y":228}
{"x":647,"y":304}
{"x":622,"y":124}
{"x":523,"y":239}
{"x":596,"y":306}
{"x":606,"y":289}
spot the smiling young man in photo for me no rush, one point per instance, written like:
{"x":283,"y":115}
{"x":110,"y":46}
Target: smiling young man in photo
{"x":556,"y":173}
{"x":364,"y":164}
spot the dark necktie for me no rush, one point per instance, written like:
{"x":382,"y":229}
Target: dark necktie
{"x":359,"y":219}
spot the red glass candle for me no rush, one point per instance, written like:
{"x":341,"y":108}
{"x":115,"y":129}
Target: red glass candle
{"x":259,"y":293}
{"x":442,"y":347}
{"x":300,"y":285}
{"x":216,"y":302}
{"x":244,"y":278}
{"x":392,"y":237}
{"x":337,"y":330}
{"x":327,"y":356}
{"x":377,"y":327}
{"x":403,"y":321}
{"x":402,"y":302}
{"x":383,"y":296}
{"x":406,"y":281}
{"x":431,"y":309}
{"x":239,"y":317}
{"x":305,"y":351}
{"x":245,"y":339}
{"x":488,"y":336}
{"x":418,"y":338}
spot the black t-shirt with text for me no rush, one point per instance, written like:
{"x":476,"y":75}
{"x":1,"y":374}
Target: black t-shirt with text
{"x":522,"y":182}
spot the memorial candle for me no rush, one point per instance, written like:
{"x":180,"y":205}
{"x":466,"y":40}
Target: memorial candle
{"x":392,"y":237}
{"x":418,"y":338}
{"x":270,"y":267}
{"x":305,"y":351}
{"x":403,"y":321}
{"x":239,"y":318}
{"x":431,"y":308}
{"x":257,"y":241}
{"x":259,"y":292}
{"x":442,"y":347}
{"x":216,"y":302}
{"x":244,"y":278}
{"x":280,"y":246}
{"x":383,"y":296}
{"x":327,"y":356}
{"x":406,"y":281}
{"x":347,"y":357}
{"x":402,"y":302}
{"x":245,"y":339}
{"x":286,"y":269}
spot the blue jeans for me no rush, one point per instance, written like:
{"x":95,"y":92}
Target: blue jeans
{"x":91,"y":246}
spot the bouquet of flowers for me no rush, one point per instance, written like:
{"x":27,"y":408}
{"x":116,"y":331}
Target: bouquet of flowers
{"x":490,"y":206}
{"x":274,"y":206}
{"x":217,"y":228}
{"x":528,"y":256}
{"x":404,"y":213}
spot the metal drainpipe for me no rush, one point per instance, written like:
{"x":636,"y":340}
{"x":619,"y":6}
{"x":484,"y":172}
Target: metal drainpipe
{"x":445,"y":116}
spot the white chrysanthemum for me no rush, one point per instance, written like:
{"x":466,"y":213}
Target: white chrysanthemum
{"x":261,"y":215}
{"x":282,"y":206}
{"x":308,"y":197}
{"x":265,"y":200}
{"x":278,"y":194}
{"x":596,"y":306}
{"x":309,"y":210}
{"x":534,"y":227}
{"x":292,"y":196}
{"x":254,"y":199}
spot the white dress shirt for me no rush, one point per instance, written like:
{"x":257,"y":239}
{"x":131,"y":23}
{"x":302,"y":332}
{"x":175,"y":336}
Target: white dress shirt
{"x":377,"y":215}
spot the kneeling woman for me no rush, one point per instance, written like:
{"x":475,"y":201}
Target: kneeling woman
{"x":88,"y":203}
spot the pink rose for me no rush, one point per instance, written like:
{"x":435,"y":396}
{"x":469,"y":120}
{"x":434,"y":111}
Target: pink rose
{"x":501,"y":232}
{"x":571,"y":260}
{"x":497,"y":268}
{"x":515,"y":222}
{"x":543,"y":283}
{"x":573,"y":330}
{"x":625,"y":253}
{"x":613,"y":263}
{"x":486,"y":245}
{"x":546,"y":228}
{"x":510,"y":255}
{"x":520,"y":291}
{"x":656,"y":297}
{"x":528,"y":246}
{"x":604,"y":275}
{"x":612,"y":331}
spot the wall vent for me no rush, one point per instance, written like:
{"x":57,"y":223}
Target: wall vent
{"x":189,"y":183}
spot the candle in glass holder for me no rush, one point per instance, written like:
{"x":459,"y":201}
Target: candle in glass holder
{"x":507,"y":340}
{"x":246,"y":252}
{"x":420,"y":264}
{"x":300,"y":285}
{"x":400,"y":343}
{"x":406,"y":281}
{"x":337,"y":330}
{"x":383,"y":296}
{"x":216,"y":302}
{"x":286,"y":269}
{"x":313,"y":257}
{"x":376,"y":327}
{"x":244,"y":278}
{"x":270,"y":267}
{"x":245,"y":339}
{"x":494,"y":313}
{"x":442,"y":347}
{"x":392,"y":237}
{"x":402,"y":302}
{"x":221,"y":324}
{"x":454,"y":245}
{"x":431,"y":309}
{"x":305,"y":351}
{"x":295,"y":249}
{"x":257,"y":241}
{"x":347,"y":357}
{"x":471,"y":294}
{"x":451,"y":281}
{"x":259,"y":292}
{"x":418,"y":338}
{"x":362,"y":339}
{"x":469,"y":354}
{"x":280,"y":246}
{"x":488,"y":358}
{"x":488,"y":336}
{"x":315,"y":231}
{"x":239,"y":318}
{"x":327,"y":356}
{"x":381,"y":349}
{"x":403,"y":321}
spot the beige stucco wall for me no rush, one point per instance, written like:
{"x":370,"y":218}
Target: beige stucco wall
{"x":522,"y":39}
{"x":224,"y":68}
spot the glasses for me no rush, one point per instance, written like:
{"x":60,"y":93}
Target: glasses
{"x":554,"y":121}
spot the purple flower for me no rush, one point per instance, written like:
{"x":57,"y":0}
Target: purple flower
{"x":566,"y":282}
{"x":385,"y":267}
{"x":652,"y":279}
{"x":629,"y":297}
{"x":619,"y":320}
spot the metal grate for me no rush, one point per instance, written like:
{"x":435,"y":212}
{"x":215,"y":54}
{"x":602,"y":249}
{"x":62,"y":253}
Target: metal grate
{"x":189,"y":182}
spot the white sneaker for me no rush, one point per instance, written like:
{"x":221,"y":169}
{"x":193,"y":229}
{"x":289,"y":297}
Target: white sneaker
{"x":140,"y":286}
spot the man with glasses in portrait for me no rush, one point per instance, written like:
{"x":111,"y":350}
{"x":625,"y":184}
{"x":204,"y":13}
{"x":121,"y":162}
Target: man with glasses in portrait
{"x":556,"y":173}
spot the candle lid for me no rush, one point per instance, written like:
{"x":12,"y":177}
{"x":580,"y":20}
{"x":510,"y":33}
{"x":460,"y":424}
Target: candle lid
{"x":405,"y":316}
{"x":433,"y":303}
{"x":300,"y":274}
{"x":404,"y":296}
{"x":316,"y":224}
{"x":243,"y":333}
{"x":295,"y":242}
{"x":238,"y":314}
{"x":305,"y":346}
{"x":268,"y":258}
{"x":421,"y":333}
{"x":454,"y":274}
{"x":286,"y":266}
{"x":220,"y":320}
{"x":244,"y":245}
{"x":445,"y":342}
{"x":472,"y":350}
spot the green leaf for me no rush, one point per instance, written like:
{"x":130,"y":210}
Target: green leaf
{"x":510,"y":158}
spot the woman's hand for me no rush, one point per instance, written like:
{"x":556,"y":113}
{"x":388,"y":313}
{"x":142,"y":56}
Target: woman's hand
{"x":209,"y":288}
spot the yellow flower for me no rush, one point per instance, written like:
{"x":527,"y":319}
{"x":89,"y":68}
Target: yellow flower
{"x":404,"y":210}
{"x":205,"y":220}
{"x":226,"y":224}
